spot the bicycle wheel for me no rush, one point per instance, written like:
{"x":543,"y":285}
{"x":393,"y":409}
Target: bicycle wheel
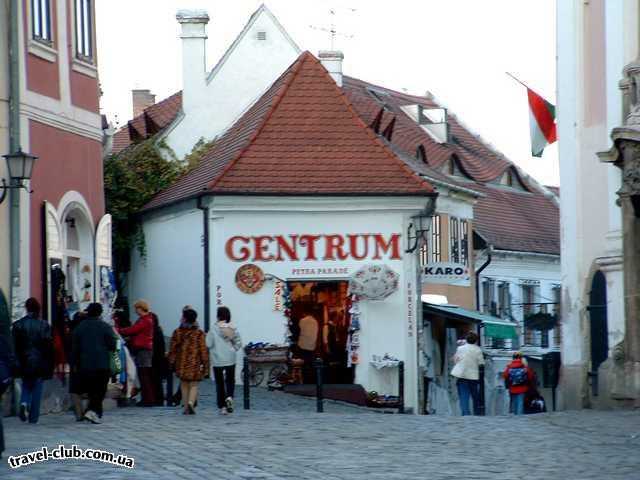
{"x":256,"y":375}
{"x":275,"y":375}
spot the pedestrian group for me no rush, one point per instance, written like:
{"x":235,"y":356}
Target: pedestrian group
{"x":96,"y":358}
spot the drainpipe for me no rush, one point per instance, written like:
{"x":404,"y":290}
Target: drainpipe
{"x":205,"y":246}
{"x":478,"y":272}
{"x":481,"y":372}
{"x":14,"y":145}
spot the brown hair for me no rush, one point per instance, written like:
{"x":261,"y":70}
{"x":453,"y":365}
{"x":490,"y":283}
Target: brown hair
{"x":142,"y":305}
{"x":472,"y":337}
{"x":32,"y":306}
{"x":224,"y":314}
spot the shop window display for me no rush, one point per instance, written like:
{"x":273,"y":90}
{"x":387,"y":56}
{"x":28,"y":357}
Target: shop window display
{"x":320,"y":328}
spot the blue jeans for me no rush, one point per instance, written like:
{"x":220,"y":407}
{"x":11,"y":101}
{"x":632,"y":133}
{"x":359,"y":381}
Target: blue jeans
{"x":517,"y":403}
{"x":466,"y":389}
{"x":31,"y":396}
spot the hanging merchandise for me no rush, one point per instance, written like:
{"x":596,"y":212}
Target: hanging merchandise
{"x":107,"y":293}
{"x":374,"y":282}
{"x":286,"y":307}
{"x":353,"y":341}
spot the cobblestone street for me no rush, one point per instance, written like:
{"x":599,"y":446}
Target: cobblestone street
{"x":283,"y":438}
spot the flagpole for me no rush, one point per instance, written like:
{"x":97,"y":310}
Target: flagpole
{"x":519,"y":81}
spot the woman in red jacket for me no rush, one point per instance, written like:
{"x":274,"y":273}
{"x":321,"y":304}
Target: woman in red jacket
{"x":140,"y":343}
{"x":518,"y":378}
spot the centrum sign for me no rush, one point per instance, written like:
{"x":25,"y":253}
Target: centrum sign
{"x":446,"y":273}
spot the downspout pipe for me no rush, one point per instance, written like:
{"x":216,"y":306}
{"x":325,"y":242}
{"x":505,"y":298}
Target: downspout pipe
{"x":14,"y":145}
{"x":489,"y":251}
{"x":205,"y":246}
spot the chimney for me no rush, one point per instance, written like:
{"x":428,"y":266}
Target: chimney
{"x":141,"y":99}
{"x":332,"y":61}
{"x":194,"y":37}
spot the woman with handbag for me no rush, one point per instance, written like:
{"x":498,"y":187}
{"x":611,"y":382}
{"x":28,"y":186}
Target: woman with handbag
{"x":189,"y":357}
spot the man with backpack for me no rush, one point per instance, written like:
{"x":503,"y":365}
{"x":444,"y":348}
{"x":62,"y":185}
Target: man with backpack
{"x":518,"y":378}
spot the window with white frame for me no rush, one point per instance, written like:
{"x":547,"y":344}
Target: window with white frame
{"x":84,"y":29}
{"x":41,"y":20}
{"x":529,"y":295}
{"x":454,"y":240}
{"x":458,"y":240}
{"x":436,"y":240}
{"x":488,"y":298}
{"x":504,"y":300}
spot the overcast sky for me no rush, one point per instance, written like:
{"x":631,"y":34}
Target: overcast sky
{"x":457,"y":49}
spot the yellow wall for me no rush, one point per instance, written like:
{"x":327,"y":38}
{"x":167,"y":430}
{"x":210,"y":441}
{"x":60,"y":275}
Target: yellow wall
{"x":462,"y":296}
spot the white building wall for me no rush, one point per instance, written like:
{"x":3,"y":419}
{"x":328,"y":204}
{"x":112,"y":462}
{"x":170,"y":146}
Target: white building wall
{"x":246,"y":71}
{"x":385,"y":325}
{"x":590,"y":219}
{"x":516,"y":269}
{"x":171,"y":274}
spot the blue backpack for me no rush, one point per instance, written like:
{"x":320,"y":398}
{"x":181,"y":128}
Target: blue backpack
{"x":518,"y":376}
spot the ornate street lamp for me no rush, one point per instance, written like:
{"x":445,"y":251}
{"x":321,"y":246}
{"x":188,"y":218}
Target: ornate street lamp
{"x":417,"y":231}
{"x":20,"y":165}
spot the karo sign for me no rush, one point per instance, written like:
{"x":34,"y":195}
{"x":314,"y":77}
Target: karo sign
{"x":448,"y":273}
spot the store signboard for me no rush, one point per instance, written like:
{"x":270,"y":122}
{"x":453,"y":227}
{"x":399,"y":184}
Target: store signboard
{"x":446,"y":273}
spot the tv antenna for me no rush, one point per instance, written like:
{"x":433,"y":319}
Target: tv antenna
{"x":332,"y":30}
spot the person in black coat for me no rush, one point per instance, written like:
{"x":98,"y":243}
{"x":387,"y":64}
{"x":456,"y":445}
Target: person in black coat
{"x":6,"y":365}
{"x":159,"y":364}
{"x":93,"y":344}
{"x":33,"y":346}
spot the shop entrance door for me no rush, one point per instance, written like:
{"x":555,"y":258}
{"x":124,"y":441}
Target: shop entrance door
{"x":598,"y":328}
{"x":320,"y":327}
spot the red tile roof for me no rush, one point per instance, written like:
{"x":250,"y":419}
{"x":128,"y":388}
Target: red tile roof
{"x":151,"y":121}
{"x":507,"y":218}
{"x":302,"y":137}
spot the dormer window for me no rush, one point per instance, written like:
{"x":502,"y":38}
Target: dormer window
{"x":433,"y":120}
{"x":451,"y":166}
{"x":511,"y":179}
{"x":421,"y":155}
{"x":84,"y":29}
{"x":507,"y":179}
{"x":41,"y":20}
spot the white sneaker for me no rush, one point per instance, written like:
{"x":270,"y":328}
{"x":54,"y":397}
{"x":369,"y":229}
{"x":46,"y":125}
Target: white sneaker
{"x":223,"y":411}
{"x":229,"y":403}
{"x":92,"y":417}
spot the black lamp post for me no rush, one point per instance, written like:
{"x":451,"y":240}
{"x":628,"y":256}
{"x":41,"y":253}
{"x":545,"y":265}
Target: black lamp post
{"x":20,"y":165}
{"x":417,"y":231}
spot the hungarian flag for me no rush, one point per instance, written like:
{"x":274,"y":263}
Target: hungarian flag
{"x":542,"y":119}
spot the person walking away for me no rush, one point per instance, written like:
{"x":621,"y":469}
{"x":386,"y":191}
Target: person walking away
{"x":189,"y":357}
{"x":468,"y":359}
{"x":75,"y":387}
{"x":518,"y":378}
{"x":141,"y":342}
{"x":93,"y":345}
{"x":223,"y":341}
{"x":33,"y":346}
{"x":159,"y":364}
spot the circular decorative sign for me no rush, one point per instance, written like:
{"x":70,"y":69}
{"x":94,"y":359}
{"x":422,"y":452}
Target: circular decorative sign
{"x":249,"y":278}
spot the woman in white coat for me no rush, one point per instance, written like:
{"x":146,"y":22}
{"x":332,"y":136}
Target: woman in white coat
{"x":223,"y":341}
